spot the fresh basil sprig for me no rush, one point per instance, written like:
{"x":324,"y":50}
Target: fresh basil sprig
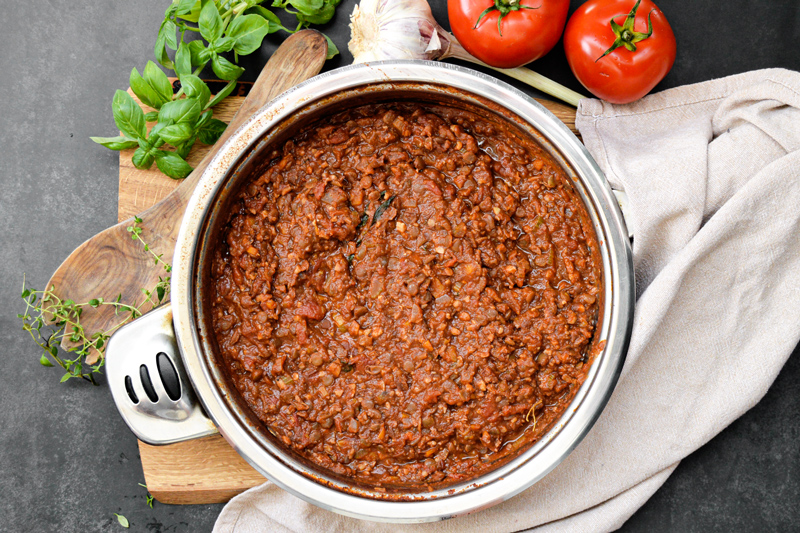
{"x":184,"y":117}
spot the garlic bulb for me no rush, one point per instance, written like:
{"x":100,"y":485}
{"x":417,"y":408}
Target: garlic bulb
{"x":406,"y":29}
{"x":399,"y":29}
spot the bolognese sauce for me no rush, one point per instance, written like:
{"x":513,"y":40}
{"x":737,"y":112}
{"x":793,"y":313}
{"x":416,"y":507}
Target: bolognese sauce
{"x":407,"y":294}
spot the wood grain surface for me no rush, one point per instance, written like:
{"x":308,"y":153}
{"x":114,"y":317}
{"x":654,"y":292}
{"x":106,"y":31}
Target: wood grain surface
{"x":204,"y":470}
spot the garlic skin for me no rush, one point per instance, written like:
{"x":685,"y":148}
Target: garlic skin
{"x":399,"y":29}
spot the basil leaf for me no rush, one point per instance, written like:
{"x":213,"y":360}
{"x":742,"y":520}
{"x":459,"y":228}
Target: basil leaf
{"x":116,"y":143}
{"x":143,"y":91}
{"x":225,"y":44}
{"x":176,"y":134}
{"x":142,"y":159}
{"x":323,"y":15}
{"x":155,"y":140}
{"x":183,"y":149}
{"x":172,"y":165}
{"x":170,"y":10}
{"x":44,"y":361}
{"x":194,"y":87}
{"x":199,"y":53}
{"x":332,"y":50}
{"x":210,"y":132}
{"x":183,"y":60}
{"x":156,"y":78}
{"x":225,"y":69}
{"x":205,"y":117}
{"x":154,"y":89}
{"x":248,"y":31}
{"x":186,"y":6}
{"x":183,"y":110}
{"x":151,"y":116}
{"x":128,"y":116}
{"x":307,"y":7}
{"x":206,"y":55}
{"x":382,"y":208}
{"x":273,"y":20}
{"x":222,"y":94}
{"x":210,"y":22}
{"x":193,"y":14}
{"x":166,"y":35}
{"x":170,"y":30}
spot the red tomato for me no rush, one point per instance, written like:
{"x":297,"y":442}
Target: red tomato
{"x":637,"y":62}
{"x":528,"y":29}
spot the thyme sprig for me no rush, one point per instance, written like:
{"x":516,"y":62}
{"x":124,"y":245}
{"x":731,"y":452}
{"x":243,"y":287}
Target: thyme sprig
{"x":50,"y":320}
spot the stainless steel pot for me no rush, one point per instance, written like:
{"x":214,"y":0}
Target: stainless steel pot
{"x":161,"y":415}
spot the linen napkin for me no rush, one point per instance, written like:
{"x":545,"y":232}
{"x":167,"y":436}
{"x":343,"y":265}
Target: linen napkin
{"x":712,"y":172}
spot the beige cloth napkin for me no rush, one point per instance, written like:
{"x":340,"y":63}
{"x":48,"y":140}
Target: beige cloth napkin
{"x":712,"y":172}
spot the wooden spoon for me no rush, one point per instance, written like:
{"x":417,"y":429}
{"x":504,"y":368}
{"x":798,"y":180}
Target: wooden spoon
{"x":111,"y":263}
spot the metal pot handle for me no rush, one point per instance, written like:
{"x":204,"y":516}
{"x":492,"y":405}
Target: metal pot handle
{"x":149,"y":384}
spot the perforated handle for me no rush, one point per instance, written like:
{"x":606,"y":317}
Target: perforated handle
{"x":149,"y":384}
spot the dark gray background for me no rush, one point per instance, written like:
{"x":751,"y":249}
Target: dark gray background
{"x":67,"y":461}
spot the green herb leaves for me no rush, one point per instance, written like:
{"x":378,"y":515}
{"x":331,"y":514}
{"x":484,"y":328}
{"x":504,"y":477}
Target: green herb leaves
{"x":166,"y":36}
{"x":176,"y":134}
{"x":179,"y":122}
{"x":50,"y":320}
{"x":154,"y":88}
{"x":128,"y":116}
{"x":210,"y":23}
{"x":185,"y":110}
{"x":225,"y":69}
{"x":122,"y":521}
{"x":172,"y":164}
{"x":194,"y":87}
{"x":310,"y":11}
{"x":149,"y":496}
{"x":143,"y":158}
{"x":211,"y":131}
{"x":183,"y":117}
{"x":116,"y":143}
{"x":247,"y":33}
{"x":383,"y":207}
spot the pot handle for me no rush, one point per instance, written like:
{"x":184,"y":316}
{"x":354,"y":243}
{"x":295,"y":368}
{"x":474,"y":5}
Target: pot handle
{"x":149,"y":384}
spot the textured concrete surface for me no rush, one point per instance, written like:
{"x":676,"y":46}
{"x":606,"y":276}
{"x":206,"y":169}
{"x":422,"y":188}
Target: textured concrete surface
{"x":67,"y":461}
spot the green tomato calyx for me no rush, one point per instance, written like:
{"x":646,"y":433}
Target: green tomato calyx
{"x":625,"y":35}
{"x":504,"y":7}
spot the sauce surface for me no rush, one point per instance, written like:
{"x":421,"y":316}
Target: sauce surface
{"x":407,"y":295}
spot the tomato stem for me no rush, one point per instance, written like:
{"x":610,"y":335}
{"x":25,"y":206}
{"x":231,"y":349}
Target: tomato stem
{"x":504,"y":7}
{"x":625,"y":35}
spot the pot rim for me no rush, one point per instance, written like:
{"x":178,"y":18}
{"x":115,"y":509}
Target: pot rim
{"x":526,"y":468}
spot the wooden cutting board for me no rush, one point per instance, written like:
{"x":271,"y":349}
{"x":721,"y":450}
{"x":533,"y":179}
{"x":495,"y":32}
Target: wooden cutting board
{"x":204,"y":470}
